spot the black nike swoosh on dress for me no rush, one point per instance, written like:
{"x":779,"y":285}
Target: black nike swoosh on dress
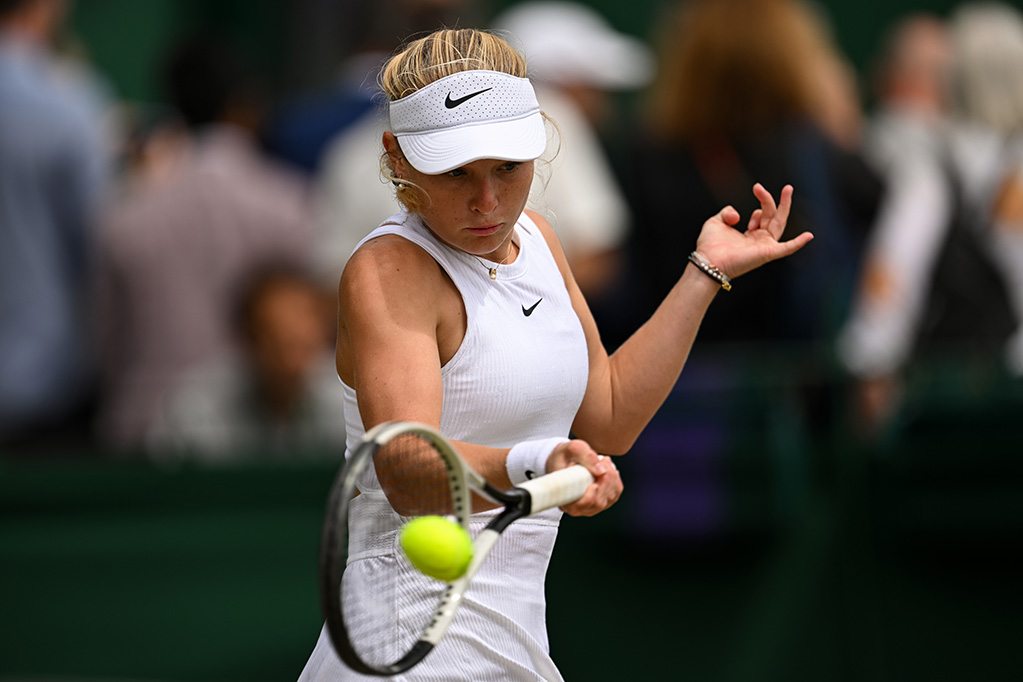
{"x":529,"y":311}
{"x":452,"y":103}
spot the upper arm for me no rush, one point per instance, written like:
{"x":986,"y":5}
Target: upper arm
{"x":397,"y":308}
{"x":388,"y":318}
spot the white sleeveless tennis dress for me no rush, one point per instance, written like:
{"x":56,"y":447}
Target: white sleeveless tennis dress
{"x":519,"y":374}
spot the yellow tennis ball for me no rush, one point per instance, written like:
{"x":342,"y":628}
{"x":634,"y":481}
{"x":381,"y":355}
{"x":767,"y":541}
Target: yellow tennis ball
{"x":437,"y":547}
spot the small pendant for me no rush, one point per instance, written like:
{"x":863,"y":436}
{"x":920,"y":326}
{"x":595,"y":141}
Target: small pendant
{"x":493,"y":273}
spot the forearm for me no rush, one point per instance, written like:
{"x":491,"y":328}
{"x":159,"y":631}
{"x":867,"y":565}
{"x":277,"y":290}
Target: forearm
{"x":630,"y":386}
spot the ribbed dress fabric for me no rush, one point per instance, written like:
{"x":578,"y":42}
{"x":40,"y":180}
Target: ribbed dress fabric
{"x":515,"y":377}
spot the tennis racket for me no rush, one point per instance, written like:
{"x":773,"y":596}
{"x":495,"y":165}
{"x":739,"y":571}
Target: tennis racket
{"x":382,"y":615}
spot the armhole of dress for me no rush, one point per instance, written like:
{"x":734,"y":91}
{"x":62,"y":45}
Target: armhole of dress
{"x":421,"y":243}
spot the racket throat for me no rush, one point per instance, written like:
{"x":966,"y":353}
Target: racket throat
{"x":517,"y":504}
{"x":455,"y":591}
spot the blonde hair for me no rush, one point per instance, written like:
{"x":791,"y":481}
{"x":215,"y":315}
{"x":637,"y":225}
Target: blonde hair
{"x":440,"y":54}
{"x":446,"y":52}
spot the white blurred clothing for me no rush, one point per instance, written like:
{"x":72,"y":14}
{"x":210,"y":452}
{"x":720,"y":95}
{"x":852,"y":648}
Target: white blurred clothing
{"x":912,"y":226}
{"x":581,"y":197}
{"x":351,"y":196}
{"x":903,"y":245}
{"x":216,"y":414}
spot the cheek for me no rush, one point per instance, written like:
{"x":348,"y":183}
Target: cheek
{"x":516,"y":191}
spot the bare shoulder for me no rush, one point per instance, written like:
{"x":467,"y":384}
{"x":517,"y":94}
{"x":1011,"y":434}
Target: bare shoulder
{"x":389,"y":261}
{"x":390,"y":271}
{"x":541,"y":222}
{"x":395,"y":301}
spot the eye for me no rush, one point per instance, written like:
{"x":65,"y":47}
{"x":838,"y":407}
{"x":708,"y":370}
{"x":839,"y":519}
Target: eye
{"x":510,"y":166}
{"x":456,"y":173}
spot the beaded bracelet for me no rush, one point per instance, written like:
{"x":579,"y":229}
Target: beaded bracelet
{"x":697,"y":259}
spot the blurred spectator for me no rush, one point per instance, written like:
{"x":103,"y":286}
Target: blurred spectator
{"x":301,"y":127}
{"x":174,"y":250}
{"x":279,"y":397}
{"x":741,"y":104}
{"x":54,"y":167}
{"x":904,"y":142}
{"x":157,"y":143}
{"x":910,"y":79}
{"x":577,"y":61}
{"x":945,"y":267}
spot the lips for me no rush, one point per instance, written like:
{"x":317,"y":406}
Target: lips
{"x":484,"y":231}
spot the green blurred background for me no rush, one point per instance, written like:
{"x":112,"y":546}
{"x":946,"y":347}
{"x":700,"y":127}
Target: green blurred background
{"x":782,"y":548}
{"x":773,"y":552}
{"x":298,"y":43}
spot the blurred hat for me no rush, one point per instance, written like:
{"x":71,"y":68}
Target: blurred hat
{"x":565,"y":42}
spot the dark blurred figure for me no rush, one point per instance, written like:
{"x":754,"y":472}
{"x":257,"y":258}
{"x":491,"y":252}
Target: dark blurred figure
{"x":752,"y":89}
{"x":279,"y":397}
{"x":176,"y":247}
{"x":943,"y":277}
{"x":54,"y":167}
{"x":351,"y":197}
{"x":299,"y":129}
{"x":747,"y":91}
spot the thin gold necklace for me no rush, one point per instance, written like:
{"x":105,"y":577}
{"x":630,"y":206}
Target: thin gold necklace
{"x":493,"y":270}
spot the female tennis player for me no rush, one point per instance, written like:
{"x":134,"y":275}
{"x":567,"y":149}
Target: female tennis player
{"x":461,"y":313}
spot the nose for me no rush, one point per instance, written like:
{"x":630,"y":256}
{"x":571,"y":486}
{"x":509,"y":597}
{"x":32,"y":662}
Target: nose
{"x":484,"y":198}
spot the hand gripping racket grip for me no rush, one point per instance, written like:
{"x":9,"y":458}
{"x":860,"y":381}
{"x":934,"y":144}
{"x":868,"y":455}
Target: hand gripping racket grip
{"x":557,"y":488}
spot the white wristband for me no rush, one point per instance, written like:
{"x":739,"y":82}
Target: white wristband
{"x":528,"y":459}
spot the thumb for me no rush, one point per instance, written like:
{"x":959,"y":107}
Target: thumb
{"x":580,"y":452}
{"x":729,"y":216}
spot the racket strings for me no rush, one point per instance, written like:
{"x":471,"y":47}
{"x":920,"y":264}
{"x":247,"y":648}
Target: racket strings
{"x":414,"y":477}
{"x":385,"y":601}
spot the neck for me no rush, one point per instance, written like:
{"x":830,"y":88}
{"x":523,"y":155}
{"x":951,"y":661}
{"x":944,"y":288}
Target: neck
{"x":511,"y":251}
{"x":504,"y":254}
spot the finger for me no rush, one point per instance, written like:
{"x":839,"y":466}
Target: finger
{"x":765,"y":199}
{"x":614,"y":488}
{"x":602,"y":493}
{"x":580,"y":452}
{"x":729,"y":216}
{"x":788,"y":248}
{"x":781,"y":218}
{"x":754,"y":221}
{"x":599,"y":496}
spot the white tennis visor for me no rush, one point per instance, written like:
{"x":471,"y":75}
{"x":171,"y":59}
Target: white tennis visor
{"x":469,"y":116}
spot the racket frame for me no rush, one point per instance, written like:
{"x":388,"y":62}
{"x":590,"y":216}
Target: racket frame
{"x":545,"y":492}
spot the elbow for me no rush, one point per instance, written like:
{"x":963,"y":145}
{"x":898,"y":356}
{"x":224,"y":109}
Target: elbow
{"x":613,"y":444}
{"x":608,"y":433}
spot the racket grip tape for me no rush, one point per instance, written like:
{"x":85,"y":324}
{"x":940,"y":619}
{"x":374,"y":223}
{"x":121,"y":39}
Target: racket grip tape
{"x":557,"y":488}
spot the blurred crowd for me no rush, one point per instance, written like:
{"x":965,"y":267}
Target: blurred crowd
{"x":167,"y":282}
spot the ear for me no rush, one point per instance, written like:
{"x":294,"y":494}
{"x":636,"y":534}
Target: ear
{"x":394,"y":154}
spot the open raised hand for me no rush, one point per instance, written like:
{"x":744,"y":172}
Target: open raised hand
{"x":736,"y":252}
